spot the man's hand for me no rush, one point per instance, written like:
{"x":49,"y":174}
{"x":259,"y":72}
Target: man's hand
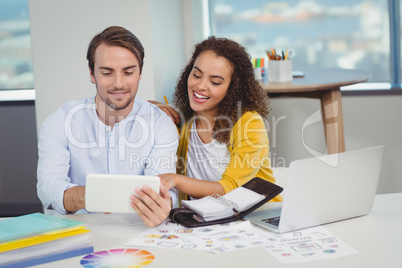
{"x":152,"y":207}
{"x":74,"y":198}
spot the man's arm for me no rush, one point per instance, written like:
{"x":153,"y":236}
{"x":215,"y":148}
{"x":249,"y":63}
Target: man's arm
{"x":154,"y":208}
{"x":53,"y":164}
{"x":162,"y":158}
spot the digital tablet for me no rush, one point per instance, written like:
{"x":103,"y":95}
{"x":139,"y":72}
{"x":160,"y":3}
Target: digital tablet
{"x":111,"y":193}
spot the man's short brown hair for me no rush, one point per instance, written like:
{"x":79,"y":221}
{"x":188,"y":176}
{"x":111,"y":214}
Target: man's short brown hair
{"x":116,"y":36}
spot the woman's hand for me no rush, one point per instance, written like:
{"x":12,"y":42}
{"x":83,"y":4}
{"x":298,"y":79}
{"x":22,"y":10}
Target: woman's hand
{"x":172,"y":113}
{"x":169,"y":179}
{"x":153,"y":208}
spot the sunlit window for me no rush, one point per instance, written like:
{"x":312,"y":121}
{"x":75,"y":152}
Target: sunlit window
{"x":15,"y":46}
{"x":350,"y":34}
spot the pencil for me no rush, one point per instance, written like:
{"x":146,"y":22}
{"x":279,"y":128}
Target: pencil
{"x":269,"y":56}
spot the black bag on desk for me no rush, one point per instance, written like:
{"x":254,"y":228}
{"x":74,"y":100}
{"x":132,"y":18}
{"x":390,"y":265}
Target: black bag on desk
{"x":190,"y":219}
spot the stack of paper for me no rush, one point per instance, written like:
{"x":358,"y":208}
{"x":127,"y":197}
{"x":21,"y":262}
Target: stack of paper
{"x":36,"y":238}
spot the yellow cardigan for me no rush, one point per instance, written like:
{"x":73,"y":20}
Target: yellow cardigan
{"x":249,"y":153}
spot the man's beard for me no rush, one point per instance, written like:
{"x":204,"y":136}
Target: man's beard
{"x":113,"y":106}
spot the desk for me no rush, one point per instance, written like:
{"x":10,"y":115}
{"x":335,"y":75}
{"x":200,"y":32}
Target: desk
{"x":376,"y":236}
{"x":323,"y":84}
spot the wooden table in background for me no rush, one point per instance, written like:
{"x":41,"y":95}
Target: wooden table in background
{"x":323,"y":84}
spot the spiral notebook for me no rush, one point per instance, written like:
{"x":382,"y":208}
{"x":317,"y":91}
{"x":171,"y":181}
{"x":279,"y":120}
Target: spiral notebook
{"x":229,"y":207}
{"x":219,"y":207}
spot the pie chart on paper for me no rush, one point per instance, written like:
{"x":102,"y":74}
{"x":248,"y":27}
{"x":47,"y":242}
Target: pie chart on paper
{"x":118,"y":258}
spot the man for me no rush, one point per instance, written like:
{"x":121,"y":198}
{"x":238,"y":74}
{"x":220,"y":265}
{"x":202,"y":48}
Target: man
{"x":113,"y":133}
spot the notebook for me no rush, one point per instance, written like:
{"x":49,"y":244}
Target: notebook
{"x":216,"y":207}
{"x":227,"y":208}
{"x":111,"y":193}
{"x":323,"y":190}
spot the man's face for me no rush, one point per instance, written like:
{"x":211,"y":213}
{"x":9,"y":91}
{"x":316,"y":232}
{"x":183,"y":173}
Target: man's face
{"x":116,"y":75}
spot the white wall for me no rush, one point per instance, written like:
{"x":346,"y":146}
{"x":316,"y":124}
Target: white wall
{"x":167,"y":45}
{"x":61,"y":31}
{"x":375,"y":120}
{"x":176,"y":26}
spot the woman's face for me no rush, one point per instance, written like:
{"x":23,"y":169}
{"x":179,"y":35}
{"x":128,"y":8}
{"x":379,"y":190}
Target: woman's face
{"x":208,"y":82}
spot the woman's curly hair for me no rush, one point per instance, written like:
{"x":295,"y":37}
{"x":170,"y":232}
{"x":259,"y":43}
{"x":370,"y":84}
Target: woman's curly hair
{"x":244,"y":92}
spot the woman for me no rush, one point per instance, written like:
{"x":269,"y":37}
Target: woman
{"x":223,"y":139}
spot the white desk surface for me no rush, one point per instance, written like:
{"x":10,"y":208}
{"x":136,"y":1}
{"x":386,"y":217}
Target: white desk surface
{"x":377,"y":236}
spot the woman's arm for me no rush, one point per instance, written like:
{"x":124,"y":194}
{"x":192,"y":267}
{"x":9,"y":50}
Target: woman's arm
{"x":192,"y":187}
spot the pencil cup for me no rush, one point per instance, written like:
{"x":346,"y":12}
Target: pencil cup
{"x":280,"y":71}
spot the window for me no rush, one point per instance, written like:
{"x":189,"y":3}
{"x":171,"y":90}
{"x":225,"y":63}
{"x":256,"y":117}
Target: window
{"x":350,"y":34}
{"x":15,"y":46}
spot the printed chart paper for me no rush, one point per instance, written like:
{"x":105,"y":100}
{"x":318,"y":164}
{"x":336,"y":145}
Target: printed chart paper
{"x":300,"y":246}
{"x":310,"y":244}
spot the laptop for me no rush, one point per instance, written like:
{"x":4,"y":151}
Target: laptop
{"x":324,"y":189}
{"x":111,"y":193}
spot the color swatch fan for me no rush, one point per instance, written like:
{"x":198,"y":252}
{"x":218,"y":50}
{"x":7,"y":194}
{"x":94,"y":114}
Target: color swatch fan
{"x":121,"y":258}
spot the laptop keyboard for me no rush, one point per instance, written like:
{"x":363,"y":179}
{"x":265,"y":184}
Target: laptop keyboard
{"x":273,"y":221}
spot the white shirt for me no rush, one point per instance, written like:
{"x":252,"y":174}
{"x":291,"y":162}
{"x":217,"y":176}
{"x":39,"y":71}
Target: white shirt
{"x":206,"y":161}
{"x":73,"y":142}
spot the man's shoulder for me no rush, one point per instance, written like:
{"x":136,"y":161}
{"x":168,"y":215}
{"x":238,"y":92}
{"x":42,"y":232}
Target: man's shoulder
{"x":84,"y":102}
{"x":154,"y":116}
{"x":145,"y":108}
{"x":68,"y":107}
